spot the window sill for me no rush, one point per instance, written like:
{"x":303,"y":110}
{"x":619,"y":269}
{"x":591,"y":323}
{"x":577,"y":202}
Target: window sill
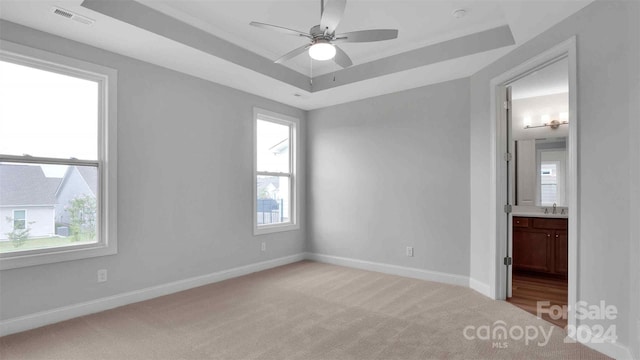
{"x":19,"y":260}
{"x":269,"y":229}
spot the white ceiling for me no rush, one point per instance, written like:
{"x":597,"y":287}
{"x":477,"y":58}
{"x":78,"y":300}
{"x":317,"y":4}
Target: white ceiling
{"x":420,"y":23}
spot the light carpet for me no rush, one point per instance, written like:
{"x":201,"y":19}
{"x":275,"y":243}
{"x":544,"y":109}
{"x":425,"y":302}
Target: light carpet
{"x":305,"y":310}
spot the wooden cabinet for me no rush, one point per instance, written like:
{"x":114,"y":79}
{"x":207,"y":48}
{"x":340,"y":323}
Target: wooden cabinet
{"x":540,"y":245}
{"x":561,"y":252}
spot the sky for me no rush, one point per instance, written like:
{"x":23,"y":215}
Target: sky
{"x":269,"y":135}
{"x":47,"y":114}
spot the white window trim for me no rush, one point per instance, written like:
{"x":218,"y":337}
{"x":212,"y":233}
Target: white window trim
{"x":107,"y":155}
{"x":13,"y":214}
{"x":294,"y":124}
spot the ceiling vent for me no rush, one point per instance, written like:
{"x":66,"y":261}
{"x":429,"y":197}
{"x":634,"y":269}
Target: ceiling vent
{"x":73,"y":16}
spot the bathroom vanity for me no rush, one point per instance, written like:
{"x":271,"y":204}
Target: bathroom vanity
{"x":540,"y":245}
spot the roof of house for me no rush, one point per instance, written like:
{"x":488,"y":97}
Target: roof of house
{"x":26,"y":185}
{"x":88,"y":174}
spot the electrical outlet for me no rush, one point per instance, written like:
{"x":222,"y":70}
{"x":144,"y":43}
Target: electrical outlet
{"x":264,"y":246}
{"x":102,"y":275}
{"x":410,"y":251}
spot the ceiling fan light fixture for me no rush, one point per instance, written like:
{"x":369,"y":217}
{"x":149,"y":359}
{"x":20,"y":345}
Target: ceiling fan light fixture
{"x":322,"y":51}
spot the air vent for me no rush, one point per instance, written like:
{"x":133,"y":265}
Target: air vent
{"x":73,"y":16}
{"x":62,"y":13}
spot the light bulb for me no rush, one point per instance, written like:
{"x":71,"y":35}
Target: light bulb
{"x":546,"y":118}
{"x":322,"y":51}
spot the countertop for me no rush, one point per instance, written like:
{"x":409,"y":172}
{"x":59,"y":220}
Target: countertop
{"x":541,"y":214}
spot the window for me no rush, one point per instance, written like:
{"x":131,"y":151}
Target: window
{"x":19,"y":219}
{"x":552,"y":180}
{"x":57,"y":158}
{"x":548,"y":183}
{"x":275,"y":207}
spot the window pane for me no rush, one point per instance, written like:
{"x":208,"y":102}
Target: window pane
{"x":272,"y":147}
{"x":47,"y":114}
{"x":274,"y":200}
{"x":548,"y":183}
{"x":47,"y":206}
{"x":19,"y":219}
{"x":19,"y":214}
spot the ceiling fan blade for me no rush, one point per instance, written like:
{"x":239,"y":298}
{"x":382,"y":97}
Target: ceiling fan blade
{"x":366,"y":36}
{"x":342,"y":58}
{"x":279,"y":29}
{"x":332,"y":14}
{"x":293,"y":53}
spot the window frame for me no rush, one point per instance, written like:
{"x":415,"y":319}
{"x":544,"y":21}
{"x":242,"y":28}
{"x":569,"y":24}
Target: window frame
{"x":24,"y":220}
{"x":106,"y":162}
{"x":293,"y":124}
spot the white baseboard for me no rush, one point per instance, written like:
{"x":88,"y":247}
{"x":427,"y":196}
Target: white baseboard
{"x":43,"y":318}
{"x":480,"y":287}
{"x":392,"y":269}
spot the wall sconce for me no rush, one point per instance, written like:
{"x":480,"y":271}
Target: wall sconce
{"x":547,"y":122}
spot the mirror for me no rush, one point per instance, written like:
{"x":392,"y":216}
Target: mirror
{"x":539,"y":130}
{"x":541,"y":172}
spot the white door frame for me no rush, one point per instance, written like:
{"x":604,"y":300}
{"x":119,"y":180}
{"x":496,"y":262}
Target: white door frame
{"x":498,"y":232}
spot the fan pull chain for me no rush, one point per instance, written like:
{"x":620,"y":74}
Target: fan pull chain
{"x":310,"y":71}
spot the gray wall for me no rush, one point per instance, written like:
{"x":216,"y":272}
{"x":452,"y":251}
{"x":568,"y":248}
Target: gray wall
{"x":607,"y":43}
{"x":184,"y":182}
{"x":390,"y":172}
{"x":633,"y":98}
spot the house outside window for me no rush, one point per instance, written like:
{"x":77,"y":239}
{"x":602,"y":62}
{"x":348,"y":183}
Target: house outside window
{"x":275,"y":207}
{"x":57,"y":158}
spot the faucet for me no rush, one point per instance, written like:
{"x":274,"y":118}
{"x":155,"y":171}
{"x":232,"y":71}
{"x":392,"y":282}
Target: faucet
{"x":546,"y":210}
{"x":554,"y":208}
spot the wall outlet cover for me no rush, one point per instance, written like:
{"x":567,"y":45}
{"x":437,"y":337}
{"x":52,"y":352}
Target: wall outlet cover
{"x":410,"y":251}
{"x":102,"y":275}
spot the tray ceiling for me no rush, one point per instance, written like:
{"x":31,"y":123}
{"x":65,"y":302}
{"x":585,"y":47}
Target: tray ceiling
{"x":212,"y":40}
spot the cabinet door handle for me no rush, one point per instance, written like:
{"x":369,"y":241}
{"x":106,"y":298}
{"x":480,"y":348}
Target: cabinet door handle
{"x":556,"y":235}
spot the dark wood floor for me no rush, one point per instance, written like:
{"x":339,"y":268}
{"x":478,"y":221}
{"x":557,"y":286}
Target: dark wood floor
{"x":529,"y":289}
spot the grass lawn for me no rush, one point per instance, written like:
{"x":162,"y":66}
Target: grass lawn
{"x":39,"y":243}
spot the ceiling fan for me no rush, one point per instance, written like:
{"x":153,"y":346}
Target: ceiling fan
{"x":323,"y":37}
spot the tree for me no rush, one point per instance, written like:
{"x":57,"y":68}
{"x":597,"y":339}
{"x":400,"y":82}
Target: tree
{"x":20,"y":234}
{"x":82,"y":215}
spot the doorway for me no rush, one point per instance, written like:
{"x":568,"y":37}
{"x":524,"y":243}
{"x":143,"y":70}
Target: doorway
{"x":538,"y":125}
{"x":536,"y":184}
